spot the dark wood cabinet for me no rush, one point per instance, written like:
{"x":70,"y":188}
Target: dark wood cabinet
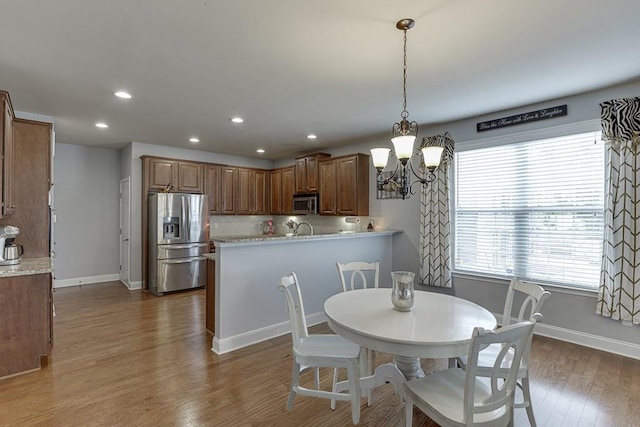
{"x":344,"y":185}
{"x":252,"y":192}
{"x":180,"y":176}
{"x":25,"y":317}
{"x":161,"y":173}
{"x":190,"y":177}
{"x":212,"y":187}
{"x":229,"y":189}
{"x":281,"y":190}
{"x":32,"y":172}
{"x":307,"y":172}
{"x":7,"y":162}
{"x":328,"y":190}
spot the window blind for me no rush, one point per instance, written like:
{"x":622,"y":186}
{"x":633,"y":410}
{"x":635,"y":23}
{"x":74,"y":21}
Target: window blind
{"x":532,"y":210}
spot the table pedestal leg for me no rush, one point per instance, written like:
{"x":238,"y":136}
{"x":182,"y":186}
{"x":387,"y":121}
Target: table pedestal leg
{"x":409,"y":366}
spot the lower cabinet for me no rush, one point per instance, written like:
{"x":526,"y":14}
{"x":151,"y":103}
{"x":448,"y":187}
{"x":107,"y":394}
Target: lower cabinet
{"x":26,"y":322}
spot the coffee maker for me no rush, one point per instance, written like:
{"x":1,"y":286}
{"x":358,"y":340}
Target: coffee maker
{"x":10,"y":252}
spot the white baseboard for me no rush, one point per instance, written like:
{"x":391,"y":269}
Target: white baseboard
{"x":622,"y":348}
{"x":225,"y":345}
{"x":63,"y":283}
{"x":134,"y":285}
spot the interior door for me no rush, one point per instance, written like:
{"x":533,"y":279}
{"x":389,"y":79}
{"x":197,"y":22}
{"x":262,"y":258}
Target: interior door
{"x":124,"y":231}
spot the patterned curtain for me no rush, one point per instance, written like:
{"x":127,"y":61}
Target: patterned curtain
{"x":435,"y":225}
{"x":619,"y":292}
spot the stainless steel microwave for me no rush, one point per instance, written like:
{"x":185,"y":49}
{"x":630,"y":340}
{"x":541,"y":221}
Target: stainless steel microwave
{"x":304,"y":204}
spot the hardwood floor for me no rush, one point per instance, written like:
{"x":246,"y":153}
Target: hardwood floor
{"x":127,"y":358}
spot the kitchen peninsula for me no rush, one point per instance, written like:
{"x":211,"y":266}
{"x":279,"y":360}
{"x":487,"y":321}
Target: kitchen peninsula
{"x":248,"y":307}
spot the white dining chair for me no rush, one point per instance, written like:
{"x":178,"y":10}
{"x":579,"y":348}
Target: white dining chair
{"x":533,"y":297}
{"x":319,"y":350}
{"x":457,"y":397}
{"x":355,"y":275}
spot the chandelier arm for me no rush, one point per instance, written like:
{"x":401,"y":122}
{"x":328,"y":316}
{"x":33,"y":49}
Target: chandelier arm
{"x":383,"y":181}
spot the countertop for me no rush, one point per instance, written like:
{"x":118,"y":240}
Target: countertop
{"x":27,"y":267}
{"x":282,"y":237}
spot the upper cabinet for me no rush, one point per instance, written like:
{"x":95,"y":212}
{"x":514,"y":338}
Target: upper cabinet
{"x":6,"y":148}
{"x":307,"y":172}
{"x":344,"y":185}
{"x":32,"y":173}
{"x":252,"y":192}
{"x":179,"y":176}
{"x":281,"y":190}
{"x":190,"y":177}
{"x":212,"y":185}
{"x":228,"y":189}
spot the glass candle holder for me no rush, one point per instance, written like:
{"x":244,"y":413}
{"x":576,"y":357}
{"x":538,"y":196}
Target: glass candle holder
{"x":402,"y":293}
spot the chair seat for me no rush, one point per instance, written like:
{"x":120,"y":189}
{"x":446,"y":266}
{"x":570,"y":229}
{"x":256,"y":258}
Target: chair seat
{"x":327,"y":345}
{"x":488,"y":356}
{"x":443,"y":393}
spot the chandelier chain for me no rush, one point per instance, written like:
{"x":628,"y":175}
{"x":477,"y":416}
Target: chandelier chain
{"x":405,"y":113}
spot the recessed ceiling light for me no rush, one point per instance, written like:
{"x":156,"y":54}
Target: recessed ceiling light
{"x":122,"y":94}
{"x":311,"y":136}
{"x":237,"y":119}
{"x":102,"y":125}
{"x":260,"y":150}
{"x":194,"y":140}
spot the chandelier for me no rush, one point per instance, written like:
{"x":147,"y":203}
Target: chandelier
{"x":403,"y":136}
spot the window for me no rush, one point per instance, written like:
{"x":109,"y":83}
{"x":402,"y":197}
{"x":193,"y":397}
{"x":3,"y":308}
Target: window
{"x":533,"y":210}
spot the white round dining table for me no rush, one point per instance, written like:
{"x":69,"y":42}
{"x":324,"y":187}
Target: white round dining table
{"x":438,"y":326}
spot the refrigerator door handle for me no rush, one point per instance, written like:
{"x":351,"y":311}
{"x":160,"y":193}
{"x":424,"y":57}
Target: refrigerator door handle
{"x":186,"y":215}
{"x":185,"y":246}
{"x":182,"y":260}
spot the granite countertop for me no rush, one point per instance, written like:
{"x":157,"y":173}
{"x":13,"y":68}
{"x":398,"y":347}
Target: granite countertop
{"x":281,"y":237}
{"x":27,"y":267}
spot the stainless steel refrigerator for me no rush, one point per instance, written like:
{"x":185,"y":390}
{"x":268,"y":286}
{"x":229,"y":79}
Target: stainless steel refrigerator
{"x":178,"y":237}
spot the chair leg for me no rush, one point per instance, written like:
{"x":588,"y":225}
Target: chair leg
{"x":353,"y":371}
{"x":370,"y":356}
{"x":408,"y":412}
{"x":316,"y":377}
{"x":333,"y":388}
{"x":527,"y":399}
{"x":295,"y":381}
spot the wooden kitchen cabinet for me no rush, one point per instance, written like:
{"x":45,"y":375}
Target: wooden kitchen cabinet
{"x":212,"y":185}
{"x":183,"y":177}
{"x":32,"y":173}
{"x":161,"y":173}
{"x":307,"y":172}
{"x":281,"y":190}
{"x":228,"y":189}
{"x":26,"y":322}
{"x":344,"y":185}
{"x":6,"y":148}
{"x":190,"y":177}
{"x":328,"y":190}
{"x":252,"y":192}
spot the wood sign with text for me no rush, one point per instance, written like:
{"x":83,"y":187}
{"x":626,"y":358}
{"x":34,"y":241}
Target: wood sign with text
{"x":532,"y":116}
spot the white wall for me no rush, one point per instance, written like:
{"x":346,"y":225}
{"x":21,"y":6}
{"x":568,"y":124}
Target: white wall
{"x":86,"y":187}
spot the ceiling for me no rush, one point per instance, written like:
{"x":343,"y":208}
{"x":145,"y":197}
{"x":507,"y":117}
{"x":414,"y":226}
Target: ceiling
{"x":291,"y":67}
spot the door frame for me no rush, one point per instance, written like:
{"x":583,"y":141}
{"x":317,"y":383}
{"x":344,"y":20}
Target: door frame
{"x":126,"y":280}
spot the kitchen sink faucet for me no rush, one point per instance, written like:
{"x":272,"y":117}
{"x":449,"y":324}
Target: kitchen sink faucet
{"x":295,"y":231}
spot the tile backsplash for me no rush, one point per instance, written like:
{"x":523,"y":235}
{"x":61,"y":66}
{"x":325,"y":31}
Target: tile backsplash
{"x":246,"y":225}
